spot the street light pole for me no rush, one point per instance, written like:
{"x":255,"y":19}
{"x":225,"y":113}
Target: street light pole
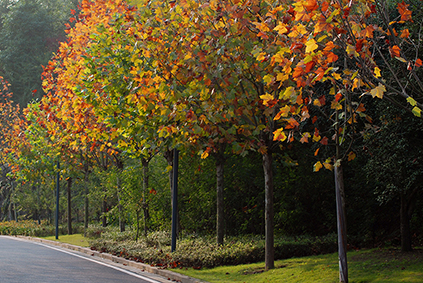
{"x":175,"y":199}
{"x":57,"y":200}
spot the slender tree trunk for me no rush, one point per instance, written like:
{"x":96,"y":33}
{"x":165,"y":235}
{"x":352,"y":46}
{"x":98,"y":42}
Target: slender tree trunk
{"x":69,"y":182}
{"x":15,"y":212}
{"x":138,"y":225}
{"x":405,"y":225}
{"x":121,"y":218}
{"x":341,"y":224}
{"x":145,"y":184}
{"x":86,"y":202}
{"x":340,"y":208}
{"x":104,"y":210}
{"x":220,"y":213}
{"x":269,"y":213}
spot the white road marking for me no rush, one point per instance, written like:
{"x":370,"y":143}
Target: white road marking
{"x":98,"y":262}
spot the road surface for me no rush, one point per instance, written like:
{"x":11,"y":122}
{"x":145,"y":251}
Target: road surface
{"x":29,"y":262}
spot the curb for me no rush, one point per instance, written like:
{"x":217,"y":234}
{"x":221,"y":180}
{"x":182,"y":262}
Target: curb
{"x":172,"y":276}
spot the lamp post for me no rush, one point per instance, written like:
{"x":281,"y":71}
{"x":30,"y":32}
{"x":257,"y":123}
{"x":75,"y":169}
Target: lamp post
{"x":57,"y":200}
{"x":175,"y":199}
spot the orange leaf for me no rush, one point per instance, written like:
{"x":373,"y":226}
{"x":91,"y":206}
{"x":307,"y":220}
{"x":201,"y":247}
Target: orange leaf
{"x":317,"y":151}
{"x":311,"y":5}
{"x":332,"y":57}
{"x":418,"y":63}
{"x":404,"y":12}
{"x":405,"y":33}
{"x":351,"y":156}
{"x":395,"y":51}
{"x":298,"y":71}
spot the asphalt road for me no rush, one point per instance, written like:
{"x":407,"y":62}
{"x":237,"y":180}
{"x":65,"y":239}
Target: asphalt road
{"x":28,"y":262}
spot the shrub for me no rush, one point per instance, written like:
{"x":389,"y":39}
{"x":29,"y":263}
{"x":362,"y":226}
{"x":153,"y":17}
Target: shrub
{"x":194,"y":251}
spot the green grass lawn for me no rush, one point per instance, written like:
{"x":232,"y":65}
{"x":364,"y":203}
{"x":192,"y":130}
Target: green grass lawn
{"x":75,"y":239}
{"x":386,"y":265}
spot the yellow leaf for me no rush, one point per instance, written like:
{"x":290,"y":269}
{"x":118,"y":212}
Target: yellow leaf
{"x":282,"y":77}
{"x":316,"y":102}
{"x":279,"y":135}
{"x":351,"y":156}
{"x":266,"y":98}
{"x":288,"y":93}
{"x":281,"y":28}
{"x":411,"y":101}
{"x":317,"y":166}
{"x":267,"y":79}
{"x":378,"y":91}
{"x":311,"y":45}
{"x":316,"y":138}
{"x":351,"y":50}
{"x":377,"y":72}
{"x":417,"y":111}
{"x":357,"y":83}
{"x":261,"y":56}
{"x":283,"y":112}
{"x":328,"y":166}
{"x":335,"y":105}
{"x":204,"y":155}
{"x":336,"y":76}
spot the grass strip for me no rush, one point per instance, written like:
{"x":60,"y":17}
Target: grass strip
{"x":75,"y":239}
{"x":376,"y":265}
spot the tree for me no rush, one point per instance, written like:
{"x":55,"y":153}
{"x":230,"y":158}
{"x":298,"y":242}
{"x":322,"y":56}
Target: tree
{"x":395,"y":164}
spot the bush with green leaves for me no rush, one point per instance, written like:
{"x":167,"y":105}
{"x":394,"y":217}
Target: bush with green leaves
{"x":202,"y":251}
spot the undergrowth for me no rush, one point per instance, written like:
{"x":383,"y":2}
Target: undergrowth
{"x":202,"y":251}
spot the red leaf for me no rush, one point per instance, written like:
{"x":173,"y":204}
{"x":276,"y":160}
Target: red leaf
{"x":338,"y":96}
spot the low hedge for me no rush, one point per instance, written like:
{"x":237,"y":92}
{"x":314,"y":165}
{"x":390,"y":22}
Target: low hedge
{"x":33,"y":229}
{"x":194,"y":251}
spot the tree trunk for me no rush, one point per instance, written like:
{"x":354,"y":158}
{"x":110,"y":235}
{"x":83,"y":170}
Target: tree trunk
{"x":269,"y":213}
{"x":340,"y":208}
{"x":121,"y":218}
{"x":341,"y":224}
{"x":104,"y":210}
{"x":138,"y":225}
{"x":220,"y":211}
{"x":145,"y":184}
{"x":405,"y":225}
{"x":69,"y":181}
{"x":86,"y":203}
